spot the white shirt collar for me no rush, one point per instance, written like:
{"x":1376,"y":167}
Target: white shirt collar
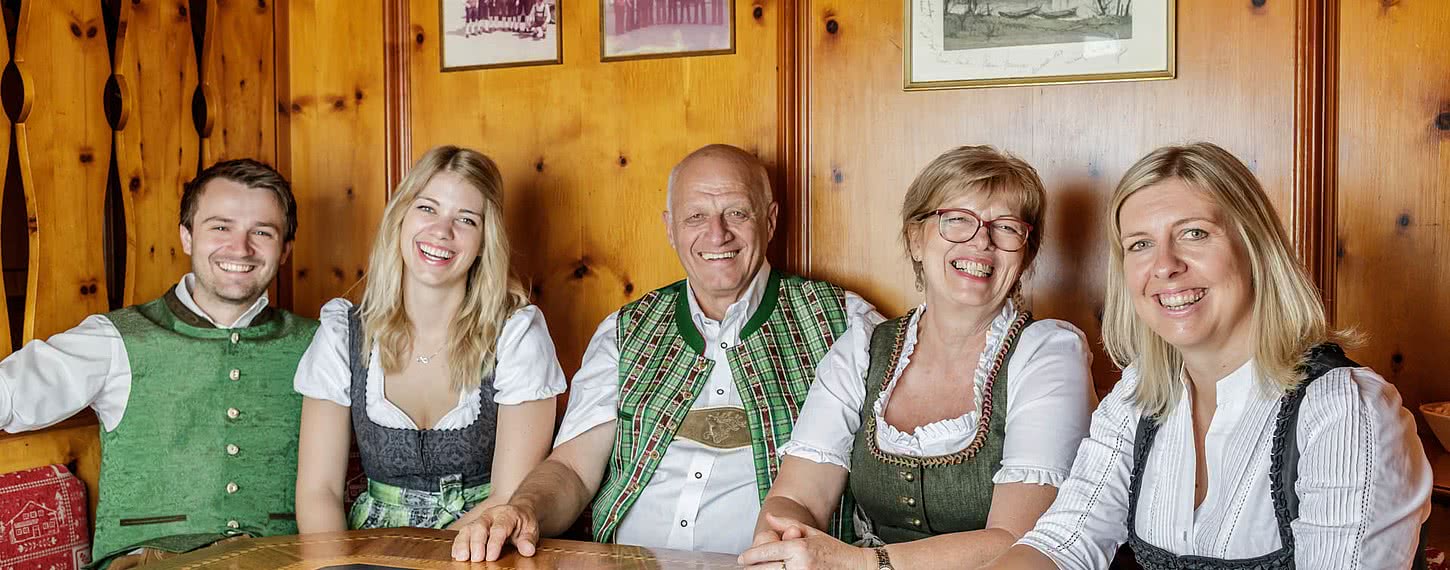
{"x":1241,"y":385}
{"x":742,"y":308}
{"x":183,"y":293}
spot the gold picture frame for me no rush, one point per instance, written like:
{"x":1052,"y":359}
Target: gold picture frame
{"x":967,"y":44}
{"x":490,"y":34}
{"x":701,"y":22}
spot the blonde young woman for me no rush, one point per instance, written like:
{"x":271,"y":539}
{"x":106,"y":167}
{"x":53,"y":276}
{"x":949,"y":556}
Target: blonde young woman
{"x":1239,"y":436}
{"x":444,"y":373}
{"x":952,"y":425}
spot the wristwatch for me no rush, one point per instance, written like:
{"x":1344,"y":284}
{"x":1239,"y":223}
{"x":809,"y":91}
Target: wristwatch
{"x":883,"y":562}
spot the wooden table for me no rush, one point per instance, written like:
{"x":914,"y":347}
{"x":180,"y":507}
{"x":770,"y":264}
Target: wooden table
{"x":413,"y":548}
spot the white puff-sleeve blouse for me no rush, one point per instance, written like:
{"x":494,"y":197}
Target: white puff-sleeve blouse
{"x":1363,"y":480}
{"x":1049,"y":401}
{"x":527,"y":369}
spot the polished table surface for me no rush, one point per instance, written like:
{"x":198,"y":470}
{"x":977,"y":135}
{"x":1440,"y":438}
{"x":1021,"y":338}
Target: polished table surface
{"x":425,"y":549}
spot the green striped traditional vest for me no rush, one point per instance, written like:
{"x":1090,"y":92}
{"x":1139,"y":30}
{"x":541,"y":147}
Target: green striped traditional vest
{"x":208,"y":444}
{"x":908,"y":498}
{"x":662,"y":370}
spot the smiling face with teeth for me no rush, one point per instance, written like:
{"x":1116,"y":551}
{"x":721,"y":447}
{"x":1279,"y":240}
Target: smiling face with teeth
{"x":236,"y":245}
{"x":1187,"y":273}
{"x":975,"y":273}
{"x":442,"y":233}
{"x":719,"y":221}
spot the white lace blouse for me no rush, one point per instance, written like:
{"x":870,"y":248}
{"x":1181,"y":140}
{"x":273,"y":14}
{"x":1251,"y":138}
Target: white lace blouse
{"x":527,"y":369}
{"x":1363,"y":480}
{"x":1049,"y":401}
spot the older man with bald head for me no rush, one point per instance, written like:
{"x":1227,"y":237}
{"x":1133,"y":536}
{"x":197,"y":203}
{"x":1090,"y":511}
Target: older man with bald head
{"x":685,"y":395}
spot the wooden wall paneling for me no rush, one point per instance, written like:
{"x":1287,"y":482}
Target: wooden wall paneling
{"x":64,"y":143}
{"x":334,"y":105}
{"x":869,"y":138}
{"x":1313,"y":215}
{"x":5,"y":132}
{"x":1393,"y":208}
{"x":586,"y":147}
{"x":794,"y":135}
{"x":238,"y":79}
{"x":157,"y":142}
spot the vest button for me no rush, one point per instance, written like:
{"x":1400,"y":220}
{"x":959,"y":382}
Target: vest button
{"x":234,"y":525}
{"x":908,"y":476}
{"x":908,"y":501}
{"x":235,"y":374}
{"x":915,"y":522}
{"x":236,"y":338}
{"x":232,"y":449}
{"x":234,"y":413}
{"x":231,"y":488}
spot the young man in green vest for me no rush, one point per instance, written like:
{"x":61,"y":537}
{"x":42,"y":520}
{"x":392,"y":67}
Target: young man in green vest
{"x":685,"y":394}
{"x":193,"y":390}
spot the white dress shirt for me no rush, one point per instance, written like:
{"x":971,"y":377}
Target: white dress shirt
{"x":527,"y":369}
{"x":695,"y":487}
{"x":1049,"y":402}
{"x":1363,"y":487}
{"x":47,"y":381}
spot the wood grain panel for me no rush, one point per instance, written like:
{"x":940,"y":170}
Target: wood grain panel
{"x":869,"y":138}
{"x":336,"y":142}
{"x":586,"y":149}
{"x":238,"y":78}
{"x":5,"y":131}
{"x":1394,"y":190}
{"x":64,"y":143}
{"x":75,"y":442}
{"x":157,"y":145}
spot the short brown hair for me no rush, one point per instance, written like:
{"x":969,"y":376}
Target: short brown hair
{"x":967,"y":169}
{"x":249,"y":173}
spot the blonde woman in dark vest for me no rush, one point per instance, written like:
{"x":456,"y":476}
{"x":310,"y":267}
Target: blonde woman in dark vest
{"x":1239,"y":435}
{"x":953,"y":425}
{"x":444,"y":373}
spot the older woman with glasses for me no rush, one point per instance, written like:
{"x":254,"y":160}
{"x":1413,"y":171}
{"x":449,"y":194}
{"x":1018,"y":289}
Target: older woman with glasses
{"x":954,"y":424}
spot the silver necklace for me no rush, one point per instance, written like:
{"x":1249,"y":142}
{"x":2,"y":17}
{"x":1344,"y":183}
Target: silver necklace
{"x":427,"y":359}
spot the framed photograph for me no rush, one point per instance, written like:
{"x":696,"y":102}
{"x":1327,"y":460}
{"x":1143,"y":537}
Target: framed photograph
{"x":638,"y":29}
{"x":989,"y":43}
{"x":479,"y":34}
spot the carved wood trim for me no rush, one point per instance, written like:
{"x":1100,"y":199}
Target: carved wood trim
{"x":1316,"y":148}
{"x":397,"y":77}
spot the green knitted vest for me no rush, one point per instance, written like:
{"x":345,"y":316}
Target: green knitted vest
{"x":208,"y":444}
{"x":662,"y":370}
{"x":908,"y":498}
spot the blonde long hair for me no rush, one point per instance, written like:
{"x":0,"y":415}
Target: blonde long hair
{"x":1288,"y":314}
{"x":491,"y":292}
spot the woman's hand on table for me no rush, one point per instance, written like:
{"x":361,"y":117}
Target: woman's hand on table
{"x":794,"y":545}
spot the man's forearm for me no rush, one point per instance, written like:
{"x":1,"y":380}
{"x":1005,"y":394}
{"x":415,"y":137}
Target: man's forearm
{"x":555,"y":494}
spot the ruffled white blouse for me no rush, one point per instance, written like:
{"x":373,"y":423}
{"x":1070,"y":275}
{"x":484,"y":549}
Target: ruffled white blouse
{"x":1049,"y":402}
{"x":527,"y":369}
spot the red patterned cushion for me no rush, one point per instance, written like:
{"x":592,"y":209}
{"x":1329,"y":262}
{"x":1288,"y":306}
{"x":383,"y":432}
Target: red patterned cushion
{"x":1436,"y":558}
{"x":43,"y":520}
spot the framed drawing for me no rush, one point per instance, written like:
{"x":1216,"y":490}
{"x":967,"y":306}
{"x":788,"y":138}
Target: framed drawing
{"x":480,"y":34}
{"x":638,"y":29}
{"x":988,"y":43}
